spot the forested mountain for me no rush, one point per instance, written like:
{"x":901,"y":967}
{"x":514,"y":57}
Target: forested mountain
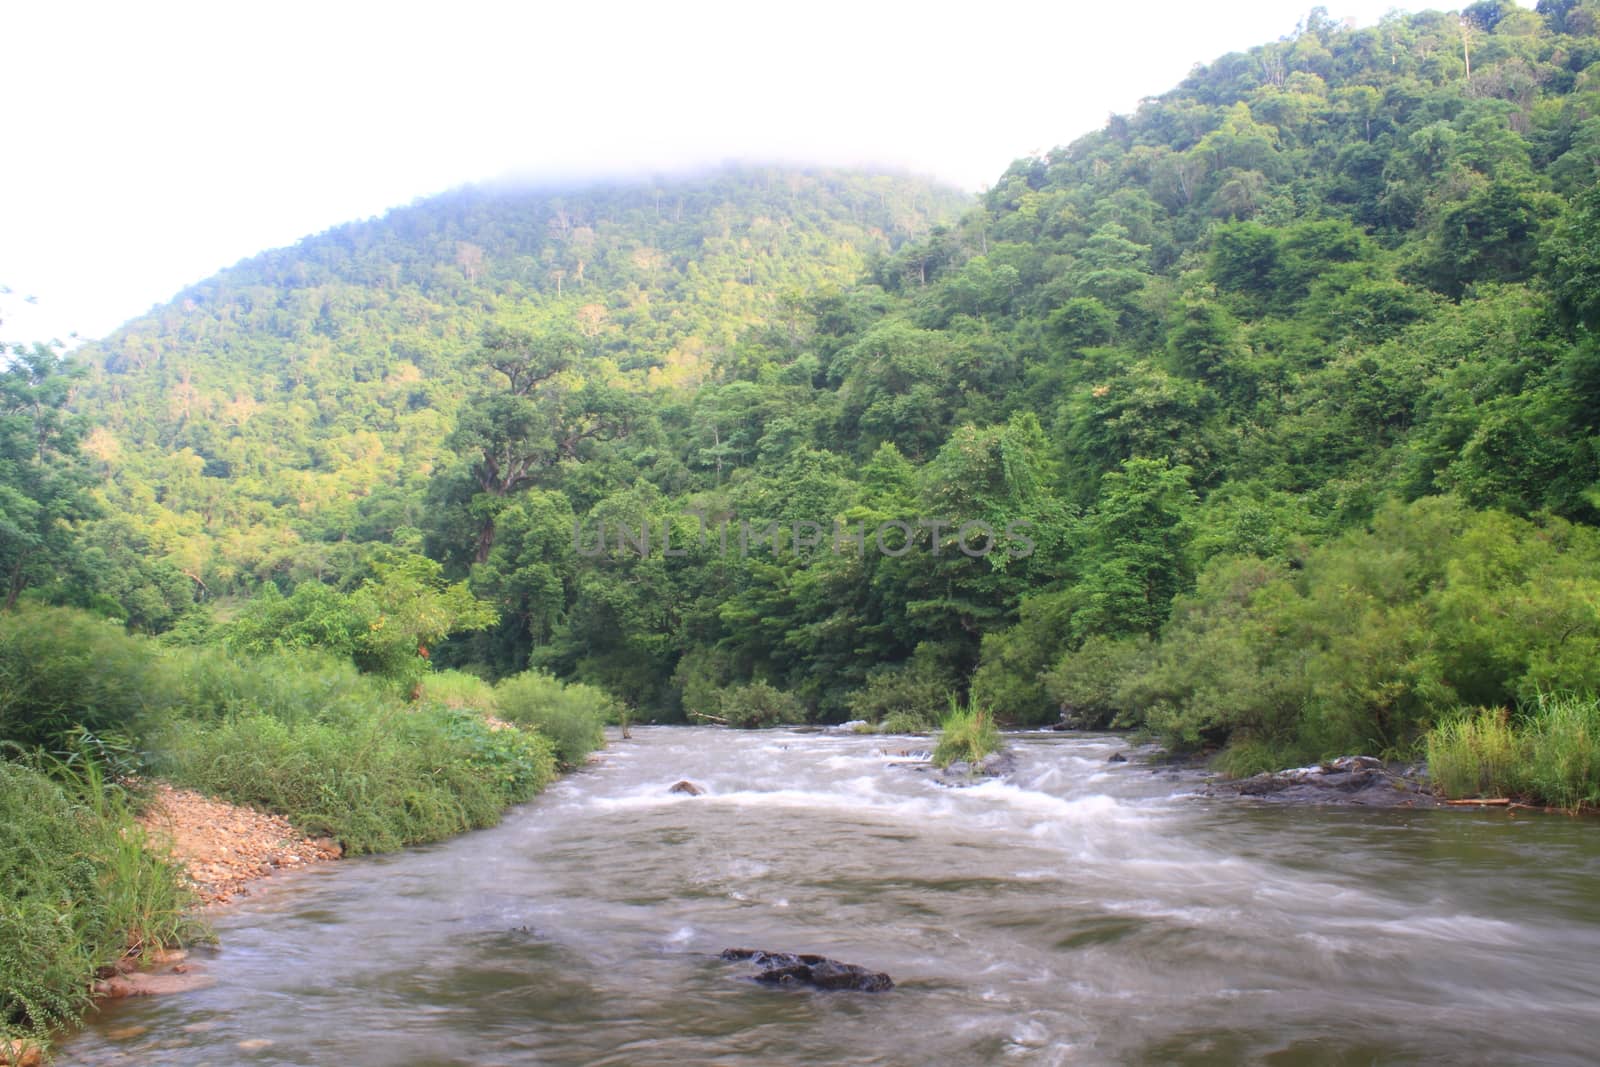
{"x":268,"y":418}
{"x":1289,"y":377}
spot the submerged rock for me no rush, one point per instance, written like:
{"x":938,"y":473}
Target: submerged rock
{"x":1356,"y":780}
{"x":1116,"y":757}
{"x":788,"y":968}
{"x":139,"y":984}
{"x":689,"y":788}
{"x":962,"y":773}
{"x":20,"y":1054}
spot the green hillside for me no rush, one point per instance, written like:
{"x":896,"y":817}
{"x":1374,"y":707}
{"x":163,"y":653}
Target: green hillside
{"x":1285,"y":387}
{"x":297,"y":402}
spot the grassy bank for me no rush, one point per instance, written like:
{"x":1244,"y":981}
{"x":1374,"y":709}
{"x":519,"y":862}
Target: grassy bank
{"x":299,"y":733}
{"x":1549,"y":754}
{"x":80,"y":888}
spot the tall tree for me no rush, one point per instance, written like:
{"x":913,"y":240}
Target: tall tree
{"x":43,"y":477}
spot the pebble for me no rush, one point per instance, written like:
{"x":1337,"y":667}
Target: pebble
{"x":224,"y":846}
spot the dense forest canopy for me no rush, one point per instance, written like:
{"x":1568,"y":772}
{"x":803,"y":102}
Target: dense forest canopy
{"x":1287,"y":380}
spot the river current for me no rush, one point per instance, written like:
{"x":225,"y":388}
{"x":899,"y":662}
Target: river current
{"x":1077,"y":912}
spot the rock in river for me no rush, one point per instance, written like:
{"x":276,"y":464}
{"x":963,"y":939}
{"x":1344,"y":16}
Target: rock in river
{"x":788,"y":968}
{"x":1357,"y":780}
{"x":688,"y":787}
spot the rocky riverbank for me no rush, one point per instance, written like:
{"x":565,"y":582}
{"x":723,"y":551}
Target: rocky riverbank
{"x":223,"y":847}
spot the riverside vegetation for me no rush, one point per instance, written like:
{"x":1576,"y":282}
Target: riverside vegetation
{"x":301,"y":732}
{"x":1293,"y":376}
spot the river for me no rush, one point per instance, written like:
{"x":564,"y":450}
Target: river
{"x":1078,"y":912}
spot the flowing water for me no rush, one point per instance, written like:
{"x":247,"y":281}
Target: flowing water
{"x":1077,"y":912}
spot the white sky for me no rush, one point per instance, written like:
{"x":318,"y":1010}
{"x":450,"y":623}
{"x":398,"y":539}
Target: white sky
{"x":149,"y":144}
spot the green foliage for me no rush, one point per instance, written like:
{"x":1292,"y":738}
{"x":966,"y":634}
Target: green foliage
{"x":910,"y":693}
{"x":1365,"y":646}
{"x":385,"y":626}
{"x":1010,"y":678}
{"x":43,"y":478}
{"x":298,"y":732}
{"x":459,"y":690}
{"x":281,"y":417}
{"x":80,"y":887}
{"x":908,"y":722}
{"x":1216,"y":361}
{"x":62,"y":669}
{"x":570,"y":715}
{"x":758,"y":705}
{"x":375,"y":775}
{"x":1549,"y":754}
{"x":967,"y":733}
{"x":1474,"y":754}
{"x":1095,"y":684}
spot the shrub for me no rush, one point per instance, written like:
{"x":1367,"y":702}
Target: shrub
{"x":1092,"y":685}
{"x":290,"y":686}
{"x":758,"y":704}
{"x":570,"y":715}
{"x":967,"y":734}
{"x":61,"y":668}
{"x":1562,"y":761}
{"x":1011,"y":676}
{"x":915,"y":689}
{"x":907,"y":722}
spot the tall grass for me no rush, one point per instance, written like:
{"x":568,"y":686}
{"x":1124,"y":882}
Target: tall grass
{"x":571,"y":716}
{"x":458,"y":689}
{"x":1562,"y":741}
{"x":1549,"y":754}
{"x":376,"y":779}
{"x":966,"y":734}
{"x":1474,"y":755}
{"x":80,"y":888}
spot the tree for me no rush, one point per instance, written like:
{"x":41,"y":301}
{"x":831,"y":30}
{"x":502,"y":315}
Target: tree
{"x":43,"y":477}
{"x":542,"y":412}
{"x":1137,"y":550}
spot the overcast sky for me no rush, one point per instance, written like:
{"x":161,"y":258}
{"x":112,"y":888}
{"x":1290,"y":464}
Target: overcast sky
{"x":149,"y":144}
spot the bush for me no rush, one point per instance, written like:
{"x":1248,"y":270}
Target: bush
{"x":292,"y":687}
{"x":79,"y":888}
{"x":915,"y":689}
{"x":1562,"y":754}
{"x":1367,"y":644}
{"x":61,"y":668}
{"x":570,"y":715}
{"x":758,"y":704}
{"x":376,"y":777}
{"x":907,"y":722}
{"x":1010,"y":678}
{"x":1093,"y":685}
{"x":967,"y":734}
